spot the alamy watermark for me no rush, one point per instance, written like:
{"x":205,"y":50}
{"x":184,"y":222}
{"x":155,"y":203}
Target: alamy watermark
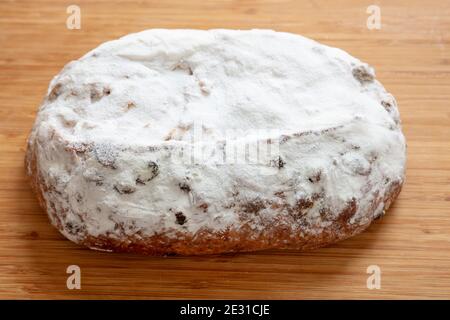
{"x":74,"y":280}
{"x":374,"y":20}
{"x":74,"y":19}
{"x":374,"y":280}
{"x":196,"y":144}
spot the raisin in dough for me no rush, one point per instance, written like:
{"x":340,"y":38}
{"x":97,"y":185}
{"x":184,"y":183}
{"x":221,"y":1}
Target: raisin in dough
{"x":100,"y":155}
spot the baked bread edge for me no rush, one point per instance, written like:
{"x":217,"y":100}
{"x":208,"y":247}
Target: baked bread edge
{"x":226,"y":241}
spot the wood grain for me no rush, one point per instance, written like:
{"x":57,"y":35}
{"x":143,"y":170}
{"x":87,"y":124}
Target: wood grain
{"x":411,"y":244}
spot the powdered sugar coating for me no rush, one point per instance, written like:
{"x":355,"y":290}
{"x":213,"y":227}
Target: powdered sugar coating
{"x":106,"y":133}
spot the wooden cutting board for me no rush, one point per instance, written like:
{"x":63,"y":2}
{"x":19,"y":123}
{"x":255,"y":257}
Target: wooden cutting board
{"x":411,"y":245}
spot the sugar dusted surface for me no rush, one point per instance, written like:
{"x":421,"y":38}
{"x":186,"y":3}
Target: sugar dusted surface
{"x":105,"y":134}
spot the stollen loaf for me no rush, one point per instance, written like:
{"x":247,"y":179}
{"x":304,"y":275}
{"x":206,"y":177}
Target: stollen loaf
{"x":194,"y":142}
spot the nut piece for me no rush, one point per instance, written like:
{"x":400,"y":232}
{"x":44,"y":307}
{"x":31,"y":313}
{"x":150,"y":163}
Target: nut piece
{"x":123,"y":188}
{"x":148,"y":174}
{"x":363,"y":74}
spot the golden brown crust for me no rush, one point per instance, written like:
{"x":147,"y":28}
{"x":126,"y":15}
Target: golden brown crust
{"x":280,"y":235}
